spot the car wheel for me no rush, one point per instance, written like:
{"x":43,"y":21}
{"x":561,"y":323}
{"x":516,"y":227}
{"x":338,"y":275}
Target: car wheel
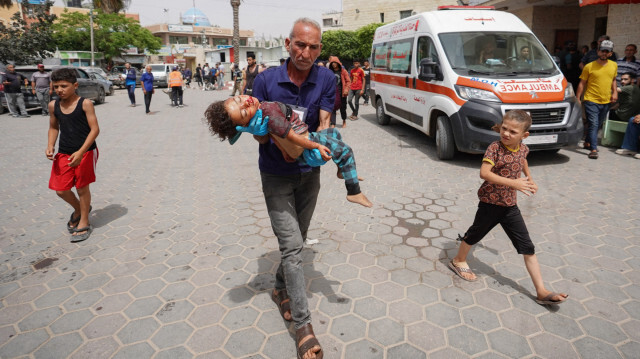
{"x":2,"y":109}
{"x":445,"y":144}
{"x":101,"y":96}
{"x":111,"y":90}
{"x":383,"y":118}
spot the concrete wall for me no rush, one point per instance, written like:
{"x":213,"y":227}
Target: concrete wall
{"x":623,"y":25}
{"x":548,"y":19}
{"x":588,"y":15}
{"x":369,"y":10}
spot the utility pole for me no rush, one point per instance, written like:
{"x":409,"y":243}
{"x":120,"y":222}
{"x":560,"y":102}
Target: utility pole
{"x":236,"y":31}
{"x":93,"y":62}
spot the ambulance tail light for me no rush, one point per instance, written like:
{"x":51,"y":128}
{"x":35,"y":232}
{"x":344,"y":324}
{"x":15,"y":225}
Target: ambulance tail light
{"x":470,"y":93}
{"x":568,"y":92}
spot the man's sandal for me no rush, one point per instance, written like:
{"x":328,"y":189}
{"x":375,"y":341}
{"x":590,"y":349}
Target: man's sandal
{"x":282,"y":301}
{"x":308,"y":344}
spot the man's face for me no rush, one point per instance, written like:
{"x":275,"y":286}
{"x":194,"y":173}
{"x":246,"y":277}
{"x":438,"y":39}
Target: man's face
{"x":251,"y":61}
{"x":304,"y":46}
{"x":604,"y":54}
{"x":41,"y":68}
{"x":127,"y":66}
{"x":366,"y":64}
{"x":356,"y":64}
{"x":625,"y":80}
{"x":629,"y":51}
{"x":10,"y":68}
{"x":524,"y":52}
{"x":65,"y":89}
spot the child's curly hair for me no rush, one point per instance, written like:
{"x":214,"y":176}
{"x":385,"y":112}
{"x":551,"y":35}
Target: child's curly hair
{"x":519,"y":116}
{"x":220,"y":123}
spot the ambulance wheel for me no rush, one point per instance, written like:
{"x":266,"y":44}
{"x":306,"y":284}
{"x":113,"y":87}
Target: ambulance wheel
{"x":383,"y":118}
{"x":445,"y":144}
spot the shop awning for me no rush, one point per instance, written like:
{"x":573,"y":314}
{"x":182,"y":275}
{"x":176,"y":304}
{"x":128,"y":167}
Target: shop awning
{"x":607,"y":2}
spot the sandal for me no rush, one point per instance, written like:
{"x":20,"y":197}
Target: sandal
{"x":459,"y":270}
{"x":549,"y":299}
{"x":593,"y":155}
{"x":82,"y":237}
{"x":586,"y":145}
{"x":70,"y":226}
{"x":282,"y":301}
{"x":301,"y":349}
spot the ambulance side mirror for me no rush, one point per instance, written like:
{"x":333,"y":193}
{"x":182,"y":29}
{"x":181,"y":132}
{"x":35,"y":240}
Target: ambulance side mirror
{"x":429,"y":70}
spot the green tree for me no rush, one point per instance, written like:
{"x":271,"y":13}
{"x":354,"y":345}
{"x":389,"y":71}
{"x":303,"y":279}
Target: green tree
{"x":27,"y":43}
{"x":111,"y":6}
{"x":349,"y":45}
{"x":113,"y":33}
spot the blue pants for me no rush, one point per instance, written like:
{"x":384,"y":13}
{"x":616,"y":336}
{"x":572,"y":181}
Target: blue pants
{"x":342,"y":156}
{"x":132,"y":95}
{"x":596,"y":114}
{"x":630,"y":141}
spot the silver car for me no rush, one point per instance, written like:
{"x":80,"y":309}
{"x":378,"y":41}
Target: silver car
{"x":108,"y":85}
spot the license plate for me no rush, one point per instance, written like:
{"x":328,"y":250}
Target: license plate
{"x":536,"y":140}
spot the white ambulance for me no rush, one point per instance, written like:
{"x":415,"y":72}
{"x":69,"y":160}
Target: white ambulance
{"x":454,"y":72}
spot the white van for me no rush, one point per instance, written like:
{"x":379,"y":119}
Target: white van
{"x":454,"y":72}
{"x":160,"y":73}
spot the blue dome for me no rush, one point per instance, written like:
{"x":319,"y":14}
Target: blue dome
{"x":195,"y":17}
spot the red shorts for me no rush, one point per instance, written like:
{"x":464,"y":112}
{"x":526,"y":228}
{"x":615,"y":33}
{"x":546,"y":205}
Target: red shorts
{"x":63,"y":177}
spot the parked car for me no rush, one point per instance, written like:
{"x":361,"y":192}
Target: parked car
{"x":118,"y":75}
{"x":87,"y":87}
{"x":106,"y":84}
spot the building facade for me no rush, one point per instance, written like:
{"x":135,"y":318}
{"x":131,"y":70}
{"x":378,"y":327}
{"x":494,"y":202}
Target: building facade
{"x":554,"y":22}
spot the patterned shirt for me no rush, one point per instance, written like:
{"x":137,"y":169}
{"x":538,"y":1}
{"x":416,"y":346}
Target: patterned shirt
{"x":357,"y":75}
{"x":625,"y":66}
{"x":506,"y":163}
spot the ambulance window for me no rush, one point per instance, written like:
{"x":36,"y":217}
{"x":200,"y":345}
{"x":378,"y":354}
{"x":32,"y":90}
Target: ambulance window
{"x":399,"y":55}
{"x":426,"y":48}
{"x":380,"y":53}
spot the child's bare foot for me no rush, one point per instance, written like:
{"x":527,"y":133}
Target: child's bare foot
{"x":359,"y":198}
{"x":342,"y":177}
{"x":547,"y":297}
{"x":344,"y":124}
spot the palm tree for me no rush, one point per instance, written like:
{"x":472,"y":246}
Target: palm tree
{"x":5,"y":3}
{"x":236,"y":32}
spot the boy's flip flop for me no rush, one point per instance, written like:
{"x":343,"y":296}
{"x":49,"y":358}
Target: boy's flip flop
{"x":70,"y":228}
{"x":82,"y":237}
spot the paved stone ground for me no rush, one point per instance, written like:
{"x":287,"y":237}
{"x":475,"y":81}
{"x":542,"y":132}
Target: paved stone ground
{"x":183,"y":257}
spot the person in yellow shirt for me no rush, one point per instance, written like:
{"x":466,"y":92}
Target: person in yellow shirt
{"x":598,"y":83}
{"x":175,"y":84}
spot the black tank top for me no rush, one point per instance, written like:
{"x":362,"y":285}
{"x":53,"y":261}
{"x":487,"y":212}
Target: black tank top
{"x":251,"y":75}
{"x":74,"y":128}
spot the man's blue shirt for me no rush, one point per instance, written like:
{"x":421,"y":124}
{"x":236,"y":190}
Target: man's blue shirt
{"x":147,"y":81}
{"x":131,"y":77}
{"x":317,"y":92}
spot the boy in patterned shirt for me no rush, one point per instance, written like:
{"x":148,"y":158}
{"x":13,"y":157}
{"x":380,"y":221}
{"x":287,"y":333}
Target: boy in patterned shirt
{"x":502,"y":164}
{"x":289,"y":132}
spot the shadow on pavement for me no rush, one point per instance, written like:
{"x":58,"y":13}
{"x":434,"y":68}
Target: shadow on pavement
{"x":103,"y":216}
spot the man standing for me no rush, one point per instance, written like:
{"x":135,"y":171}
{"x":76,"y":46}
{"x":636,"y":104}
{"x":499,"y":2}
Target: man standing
{"x":198,"y":75}
{"x":175,"y":84}
{"x":12,"y":82}
{"x":220,"y":76}
{"x":187,"y":77}
{"x":236,"y":77}
{"x":250,"y":75}
{"x":628,"y":63}
{"x":592,"y":55}
{"x":41,"y":87}
{"x":367,"y":79}
{"x":598,"y":82}
{"x":130,"y":83}
{"x":356,"y":90}
{"x":147,"y":88}
{"x":290,"y":188}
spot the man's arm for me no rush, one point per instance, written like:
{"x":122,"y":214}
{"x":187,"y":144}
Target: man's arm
{"x":92,"y":120}
{"x":581,"y":86}
{"x":324,"y":120}
{"x":614,"y":90}
{"x":244,"y":82}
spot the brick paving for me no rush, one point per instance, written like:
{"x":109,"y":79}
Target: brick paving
{"x":183,"y":256}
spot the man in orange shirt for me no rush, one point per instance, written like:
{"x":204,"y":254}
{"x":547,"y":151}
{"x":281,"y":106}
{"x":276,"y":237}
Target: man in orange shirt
{"x":356,"y":90}
{"x":175,"y":84}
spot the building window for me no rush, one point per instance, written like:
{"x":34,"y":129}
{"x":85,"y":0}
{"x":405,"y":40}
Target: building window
{"x":327,"y":22}
{"x":381,"y":17}
{"x":183,"y":40}
{"x":405,"y":13}
{"x":243,"y":42}
{"x":219,"y":41}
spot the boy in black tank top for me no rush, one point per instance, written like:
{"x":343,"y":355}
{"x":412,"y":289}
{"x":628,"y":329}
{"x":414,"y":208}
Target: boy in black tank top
{"x":74,"y":118}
